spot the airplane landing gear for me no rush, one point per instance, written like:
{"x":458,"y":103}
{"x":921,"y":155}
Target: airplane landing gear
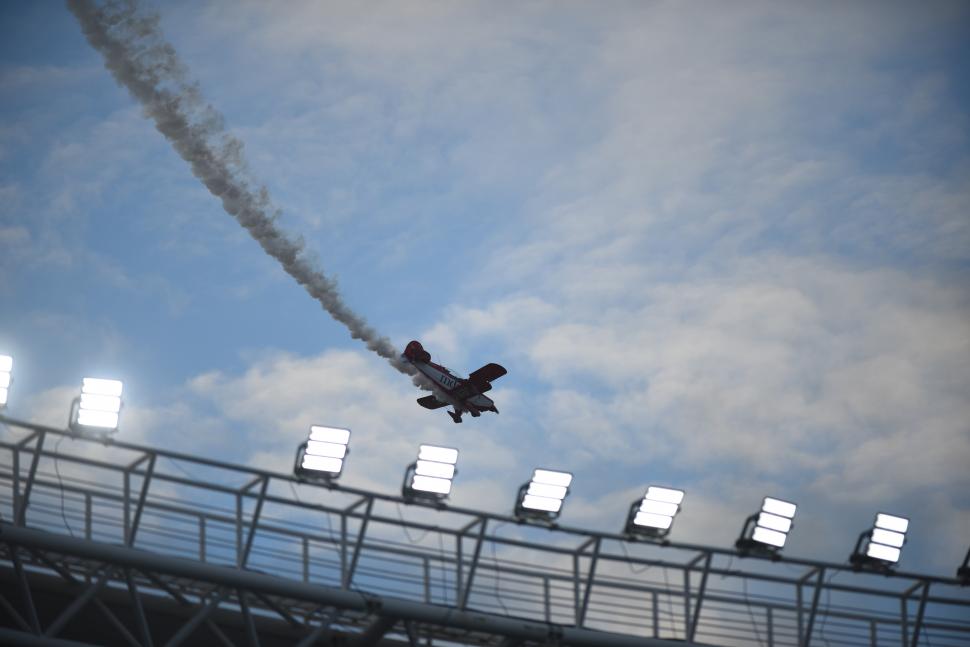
{"x":455,"y":416}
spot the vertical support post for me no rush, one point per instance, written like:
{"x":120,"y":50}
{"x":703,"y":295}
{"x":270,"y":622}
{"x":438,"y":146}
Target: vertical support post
{"x":919,"y":614}
{"x":426,"y":563}
{"x":459,"y":563}
{"x":202,"y":538}
{"x":343,"y":547}
{"x":546,"y":602}
{"x":463,"y":600}
{"x":904,"y":613}
{"x":146,"y":479}
{"x":655,"y":609}
{"x":15,"y":504}
{"x":819,"y":581}
{"x":247,"y":619}
{"x":88,"y":506}
{"x":306,"y":559}
{"x":126,"y":507}
{"x":700,"y":599}
{"x":239,"y":528}
{"x":360,"y":542}
{"x":686,"y":599}
{"x":21,"y":517}
{"x":770,"y":621}
{"x":873,"y":633}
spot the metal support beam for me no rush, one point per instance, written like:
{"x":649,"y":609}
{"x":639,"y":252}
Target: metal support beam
{"x":696,"y":615}
{"x":687,"y":610}
{"x":244,"y":557}
{"x":581,"y":615}
{"x":139,"y":611}
{"x":14,"y":637}
{"x":25,"y":595}
{"x":375,"y":631}
{"x":819,"y":581}
{"x":280,"y":611}
{"x":234,"y":578}
{"x":247,"y":619}
{"x":13,"y":613}
{"x":919,"y":613}
{"x":79,"y":603}
{"x":21,"y":516}
{"x":320,"y":632}
{"x":349,"y":577}
{"x":467,"y":588}
{"x":133,"y":529}
{"x":201,"y":616}
{"x":116,"y":623}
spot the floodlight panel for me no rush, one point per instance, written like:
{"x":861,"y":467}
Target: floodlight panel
{"x":319,"y":448}
{"x":90,"y":418}
{"x":322,"y":463}
{"x":433,"y":468}
{"x":779,"y":507}
{"x":549,"y":491}
{"x":774,"y":522}
{"x":101,"y":387}
{"x":6,"y":363}
{"x":94,"y":402}
{"x":769,"y":537}
{"x":652,"y":520}
{"x":891,"y":522}
{"x":550,"y":477}
{"x":659,"y":507}
{"x":430,"y":484}
{"x":330,"y":434}
{"x":3,"y":395}
{"x":533,"y":502}
{"x":667,"y":495}
{"x":888,"y":537}
{"x":885,"y":553}
{"x":438,"y":454}
{"x":4,"y":379}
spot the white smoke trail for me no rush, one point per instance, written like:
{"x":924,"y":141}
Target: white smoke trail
{"x":139,"y":58}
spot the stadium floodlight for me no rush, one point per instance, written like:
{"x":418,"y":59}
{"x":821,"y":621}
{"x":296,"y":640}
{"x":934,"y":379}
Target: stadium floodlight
{"x":767,"y":531}
{"x":541,"y":498}
{"x":652,"y":516}
{"x":6,"y":371}
{"x":429,"y":477}
{"x":883,"y":543}
{"x":323,"y":454}
{"x":98,"y":407}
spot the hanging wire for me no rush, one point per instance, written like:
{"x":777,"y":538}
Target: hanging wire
{"x":498,"y":572}
{"x":747,"y":605}
{"x":629,"y":562}
{"x":404,"y":527}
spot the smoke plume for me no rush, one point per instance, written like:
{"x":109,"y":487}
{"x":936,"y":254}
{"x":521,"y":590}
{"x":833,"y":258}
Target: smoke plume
{"x":141,"y":60}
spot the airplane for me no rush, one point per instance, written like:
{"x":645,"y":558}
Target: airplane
{"x":465,"y":395}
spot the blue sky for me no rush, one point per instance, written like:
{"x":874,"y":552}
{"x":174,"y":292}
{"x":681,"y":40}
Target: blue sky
{"x":724,"y":249}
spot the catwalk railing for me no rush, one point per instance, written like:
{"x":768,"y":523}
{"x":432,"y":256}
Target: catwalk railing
{"x":174,"y":504}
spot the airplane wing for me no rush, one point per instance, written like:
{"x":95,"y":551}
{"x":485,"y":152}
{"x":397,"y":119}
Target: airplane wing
{"x":487,"y":373}
{"x":431,"y":402}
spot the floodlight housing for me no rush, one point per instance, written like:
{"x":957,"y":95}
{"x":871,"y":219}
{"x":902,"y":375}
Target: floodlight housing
{"x":767,"y":531}
{"x":541,"y":498}
{"x":98,"y":407}
{"x":879,"y":548}
{"x":428,"y":479}
{"x":6,"y":377}
{"x":652,"y":516}
{"x":322,"y":456}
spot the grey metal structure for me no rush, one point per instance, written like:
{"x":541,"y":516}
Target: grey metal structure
{"x":160,"y":547}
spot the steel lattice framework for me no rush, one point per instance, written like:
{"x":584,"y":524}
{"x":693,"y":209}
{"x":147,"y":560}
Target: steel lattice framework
{"x":164,"y":547}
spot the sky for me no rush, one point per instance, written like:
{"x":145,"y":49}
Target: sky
{"x":724,"y":248}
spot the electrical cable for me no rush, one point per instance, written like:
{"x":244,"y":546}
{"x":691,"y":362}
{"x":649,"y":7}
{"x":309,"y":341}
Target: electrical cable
{"x":60,"y":484}
{"x":498,"y":573}
{"x":405,"y":528}
{"x":629,"y":562}
{"x":747,"y":604}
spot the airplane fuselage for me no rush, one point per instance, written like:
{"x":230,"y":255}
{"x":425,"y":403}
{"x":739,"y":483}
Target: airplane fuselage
{"x":445,"y":385}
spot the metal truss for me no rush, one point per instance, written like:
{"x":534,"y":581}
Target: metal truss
{"x":116,"y":543}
